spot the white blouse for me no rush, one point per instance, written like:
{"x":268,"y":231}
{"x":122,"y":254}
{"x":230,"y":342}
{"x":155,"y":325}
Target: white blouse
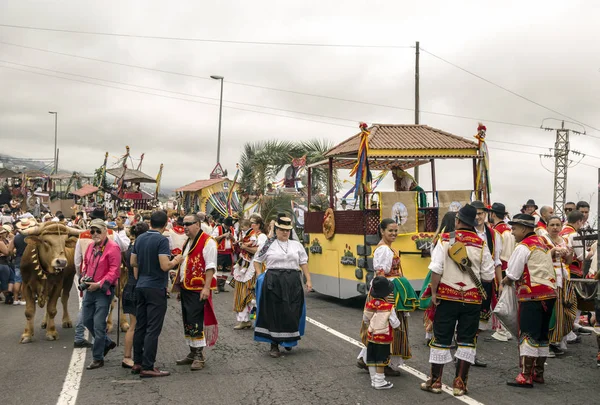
{"x":382,"y":259}
{"x":283,"y":255}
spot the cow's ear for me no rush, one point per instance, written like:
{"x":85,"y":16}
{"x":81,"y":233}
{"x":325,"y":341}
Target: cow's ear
{"x":71,"y":242}
{"x":33,"y":240}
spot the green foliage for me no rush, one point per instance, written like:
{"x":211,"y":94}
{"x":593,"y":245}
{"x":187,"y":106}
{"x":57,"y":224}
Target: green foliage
{"x":261,"y":162}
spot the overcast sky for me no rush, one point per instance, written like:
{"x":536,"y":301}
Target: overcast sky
{"x":546,"y":51}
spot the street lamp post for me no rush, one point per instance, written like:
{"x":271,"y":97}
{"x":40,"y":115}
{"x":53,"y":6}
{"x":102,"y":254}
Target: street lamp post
{"x":220,"y":114}
{"x":55,"y":113}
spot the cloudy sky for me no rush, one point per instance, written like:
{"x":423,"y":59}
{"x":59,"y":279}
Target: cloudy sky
{"x":546,"y":51}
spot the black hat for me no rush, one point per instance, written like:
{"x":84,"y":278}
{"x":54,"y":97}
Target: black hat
{"x":479,"y":205}
{"x":523,"y":219}
{"x":499,"y":209}
{"x":467,"y":215}
{"x":530,"y":203}
{"x":98,"y":213}
{"x":381,"y":287}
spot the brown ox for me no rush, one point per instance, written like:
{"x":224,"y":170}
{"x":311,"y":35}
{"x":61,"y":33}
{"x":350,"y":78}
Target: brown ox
{"x":48,"y":270}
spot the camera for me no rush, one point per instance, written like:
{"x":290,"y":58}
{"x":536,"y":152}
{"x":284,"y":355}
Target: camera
{"x":83,"y":283}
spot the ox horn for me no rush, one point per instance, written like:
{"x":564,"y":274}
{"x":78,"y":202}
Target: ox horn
{"x":31,"y":231}
{"x":74,"y":231}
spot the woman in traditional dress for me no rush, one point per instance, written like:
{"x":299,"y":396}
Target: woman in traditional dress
{"x":386,"y":262}
{"x":281,"y":311}
{"x":244,"y":274}
{"x":566,"y":303}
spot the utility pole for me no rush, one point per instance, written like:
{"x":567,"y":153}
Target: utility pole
{"x":561,"y":151}
{"x":417,"y":98}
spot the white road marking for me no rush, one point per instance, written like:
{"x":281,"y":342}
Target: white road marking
{"x":465,"y":398}
{"x":70,"y":389}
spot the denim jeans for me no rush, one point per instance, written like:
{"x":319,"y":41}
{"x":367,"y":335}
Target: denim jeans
{"x":95,"y":307}
{"x":79,"y":327}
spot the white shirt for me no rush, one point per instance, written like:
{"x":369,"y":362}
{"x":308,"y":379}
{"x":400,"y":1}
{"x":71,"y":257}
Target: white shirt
{"x":299,"y":212}
{"x":215,"y":233}
{"x":283,"y":255}
{"x":383,"y":258}
{"x":517,"y":262}
{"x":497,"y":244}
{"x":122,"y":239}
{"x":206,"y":228}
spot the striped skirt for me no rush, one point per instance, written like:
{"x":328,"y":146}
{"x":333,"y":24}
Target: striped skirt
{"x":243,"y":294}
{"x":400,"y":345}
{"x":565,"y":310}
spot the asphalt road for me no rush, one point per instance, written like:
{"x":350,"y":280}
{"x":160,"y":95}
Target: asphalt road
{"x":238,"y":370}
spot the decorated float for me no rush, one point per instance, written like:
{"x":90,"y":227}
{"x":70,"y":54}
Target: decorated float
{"x":341,"y":242}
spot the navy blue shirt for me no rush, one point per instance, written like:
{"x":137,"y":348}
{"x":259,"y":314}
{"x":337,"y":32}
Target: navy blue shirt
{"x":148,"y":246}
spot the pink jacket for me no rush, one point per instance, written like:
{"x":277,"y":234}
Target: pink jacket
{"x":107,"y":267}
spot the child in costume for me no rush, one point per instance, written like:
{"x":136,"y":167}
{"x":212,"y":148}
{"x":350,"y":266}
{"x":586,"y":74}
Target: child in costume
{"x":381,"y":318}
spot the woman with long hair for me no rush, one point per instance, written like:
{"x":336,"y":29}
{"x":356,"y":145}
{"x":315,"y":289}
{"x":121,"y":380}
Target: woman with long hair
{"x":566,"y":302}
{"x":252,"y":238}
{"x":386,"y":262}
{"x":281,"y":310}
{"x":129,"y":303}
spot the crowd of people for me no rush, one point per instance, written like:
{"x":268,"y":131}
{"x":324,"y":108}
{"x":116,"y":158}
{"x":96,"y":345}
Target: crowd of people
{"x":477,"y":254}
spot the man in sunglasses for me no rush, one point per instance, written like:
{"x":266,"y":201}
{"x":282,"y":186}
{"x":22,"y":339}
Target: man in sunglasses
{"x":101,"y":269}
{"x":568,"y":207}
{"x":120,"y":234}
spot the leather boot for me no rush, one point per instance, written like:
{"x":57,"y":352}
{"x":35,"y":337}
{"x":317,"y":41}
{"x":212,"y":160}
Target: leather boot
{"x":434,"y":382}
{"x":198,"y":362}
{"x":538,"y":370}
{"x":460,"y":381}
{"x":189,"y":359}
{"x":524,"y":379}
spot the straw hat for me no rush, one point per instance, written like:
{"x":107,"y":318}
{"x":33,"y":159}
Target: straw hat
{"x":26,"y":223}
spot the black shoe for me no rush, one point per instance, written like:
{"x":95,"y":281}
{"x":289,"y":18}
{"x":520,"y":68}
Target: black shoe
{"x":108,"y":348}
{"x":95,"y":364}
{"x":479,"y":363}
{"x":360,"y":363}
{"x":583,"y":332}
{"x":556,"y":350}
{"x":83,"y":344}
{"x":577,"y":340}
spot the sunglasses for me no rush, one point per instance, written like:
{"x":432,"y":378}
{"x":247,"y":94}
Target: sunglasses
{"x":125,"y":218}
{"x":189,"y":223}
{"x":568,"y":209}
{"x":95,"y":231}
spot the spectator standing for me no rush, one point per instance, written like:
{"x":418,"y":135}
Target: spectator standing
{"x":151,"y":257}
{"x":20,"y":245}
{"x":101,"y":263}
{"x":7,"y":275}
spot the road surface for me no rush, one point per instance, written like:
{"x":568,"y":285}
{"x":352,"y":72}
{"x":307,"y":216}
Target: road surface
{"x":239,"y":371}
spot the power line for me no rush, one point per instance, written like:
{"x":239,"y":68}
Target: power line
{"x":506,"y":89}
{"x":174,"y":98}
{"x":276,"y":89}
{"x":219,"y":41}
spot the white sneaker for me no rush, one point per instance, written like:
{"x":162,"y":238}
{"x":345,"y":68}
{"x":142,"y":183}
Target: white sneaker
{"x":17,"y":302}
{"x":386,"y":386}
{"x":22,"y":303}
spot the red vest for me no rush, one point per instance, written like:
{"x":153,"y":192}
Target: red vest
{"x":221,"y":244}
{"x":380,"y":305}
{"x":575,"y":268}
{"x":528,"y":289}
{"x":195,"y":271}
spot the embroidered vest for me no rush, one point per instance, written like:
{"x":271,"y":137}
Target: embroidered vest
{"x":379,"y":311}
{"x":221,"y":244}
{"x":456,"y":285}
{"x":194,"y":273}
{"x":247,"y":256}
{"x":508,"y":242}
{"x":538,"y":281}
{"x":396,"y":269}
{"x":575,"y":268}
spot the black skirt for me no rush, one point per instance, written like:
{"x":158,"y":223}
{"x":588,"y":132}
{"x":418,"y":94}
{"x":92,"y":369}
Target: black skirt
{"x":378,"y":355}
{"x":129,"y":302}
{"x":280,"y":306}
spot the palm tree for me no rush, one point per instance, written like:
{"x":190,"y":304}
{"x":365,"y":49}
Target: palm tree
{"x":261,"y":162}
